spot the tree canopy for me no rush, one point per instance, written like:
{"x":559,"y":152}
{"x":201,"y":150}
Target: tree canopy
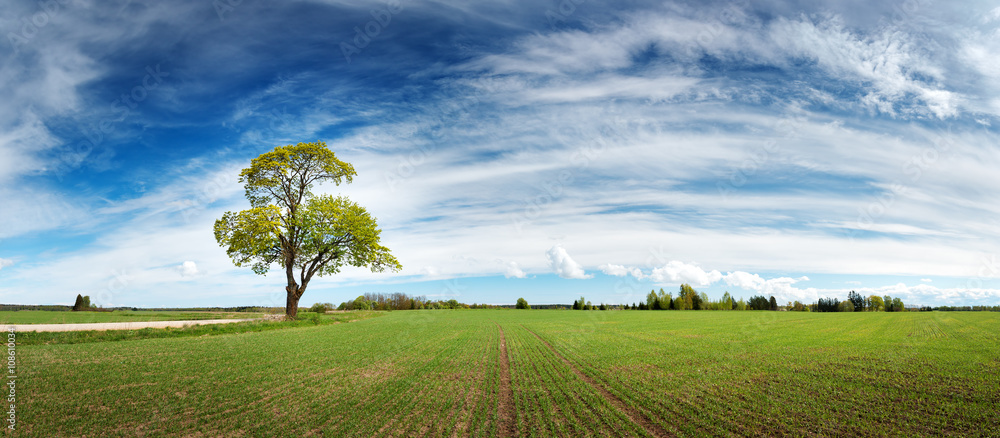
{"x":288,"y":225}
{"x":522,"y":304}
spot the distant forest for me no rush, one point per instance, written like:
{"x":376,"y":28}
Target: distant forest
{"x":687,"y":299}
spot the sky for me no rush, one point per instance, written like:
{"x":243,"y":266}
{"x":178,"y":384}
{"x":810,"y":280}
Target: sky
{"x":538,"y":149}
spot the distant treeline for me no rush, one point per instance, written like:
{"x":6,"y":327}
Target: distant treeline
{"x":399,"y":301}
{"x":51,"y":308}
{"x":690,"y":299}
{"x":963,"y":308}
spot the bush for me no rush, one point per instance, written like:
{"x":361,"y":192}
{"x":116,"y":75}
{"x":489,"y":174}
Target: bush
{"x":360,"y":303}
{"x":320,"y":308}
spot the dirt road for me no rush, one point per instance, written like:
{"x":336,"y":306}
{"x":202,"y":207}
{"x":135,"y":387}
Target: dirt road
{"x":133,"y":325}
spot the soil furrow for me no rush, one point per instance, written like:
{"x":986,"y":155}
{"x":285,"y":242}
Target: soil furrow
{"x":636,"y":416}
{"x":506,"y":428}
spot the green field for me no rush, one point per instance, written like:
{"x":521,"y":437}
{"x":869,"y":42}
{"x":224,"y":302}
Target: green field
{"x":51,"y":317}
{"x":533,"y":373}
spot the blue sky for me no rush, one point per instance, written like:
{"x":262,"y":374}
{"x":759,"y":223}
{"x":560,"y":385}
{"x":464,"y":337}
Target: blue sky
{"x":525,"y":148}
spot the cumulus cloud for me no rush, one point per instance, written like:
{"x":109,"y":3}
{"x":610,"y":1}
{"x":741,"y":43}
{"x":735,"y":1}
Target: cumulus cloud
{"x":621,"y":271}
{"x":925,"y":294}
{"x":926,"y":280}
{"x":564,"y":265}
{"x":680,"y":272}
{"x":513,"y":271}
{"x":745,"y":280}
{"x":5,"y":262}
{"x":781,"y":288}
{"x":188,"y":269}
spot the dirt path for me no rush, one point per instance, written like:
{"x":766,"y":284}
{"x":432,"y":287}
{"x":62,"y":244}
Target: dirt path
{"x":633,"y":413}
{"x":507,"y":428}
{"x":132,"y":325}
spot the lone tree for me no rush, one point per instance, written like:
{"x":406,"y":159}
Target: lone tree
{"x":78,"y":305}
{"x":302,"y":232}
{"x":522,"y":304}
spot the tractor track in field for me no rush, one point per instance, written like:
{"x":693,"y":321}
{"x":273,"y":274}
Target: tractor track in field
{"x":634,"y":414}
{"x":506,"y":428}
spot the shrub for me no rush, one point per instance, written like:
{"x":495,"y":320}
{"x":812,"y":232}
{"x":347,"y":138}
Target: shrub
{"x":522,"y":304}
{"x":319,"y":308}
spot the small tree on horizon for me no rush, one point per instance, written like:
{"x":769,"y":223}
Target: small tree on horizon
{"x":78,"y":305}
{"x":522,"y":304}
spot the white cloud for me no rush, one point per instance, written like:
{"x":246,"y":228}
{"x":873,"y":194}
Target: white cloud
{"x":5,"y":262}
{"x":616,"y":270}
{"x":926,"y":280}
{"x":745,"y":280}
{"x":188,"y":269}
{"x":680,"y":272}
{"x":925,"y":294}
{"x":564,"y":265}
{"x":621,"y":271}
{"x":513,"y":271}
{"x":889,"y":60}
{"x":992,"y":15}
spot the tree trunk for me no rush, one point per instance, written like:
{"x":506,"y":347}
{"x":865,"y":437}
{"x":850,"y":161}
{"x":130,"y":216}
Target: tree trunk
{"x":294,"y":292}
{"x":292,"y":303}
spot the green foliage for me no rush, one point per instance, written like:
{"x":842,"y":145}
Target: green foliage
{"x":703,"y":302}
{"x":664,"y":300}
{"x":78,"y":305}
{"x":360,"y":303}
{"x":651,"y":301}
{"x":321,"y":307}
{"x":288,"y":225}
{"x":686,"y":299}
{"x":286,"y":175}
{"x":759,"y":302}
{"x":857,"y":301}
{"x":828,"y":305}
{"x":876,"y":304}
{"x":522,"y":304}
{"x":894,"y":305}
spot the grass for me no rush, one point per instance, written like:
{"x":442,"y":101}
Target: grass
{"x":571,"y":373}
{"x":52,"y":317}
